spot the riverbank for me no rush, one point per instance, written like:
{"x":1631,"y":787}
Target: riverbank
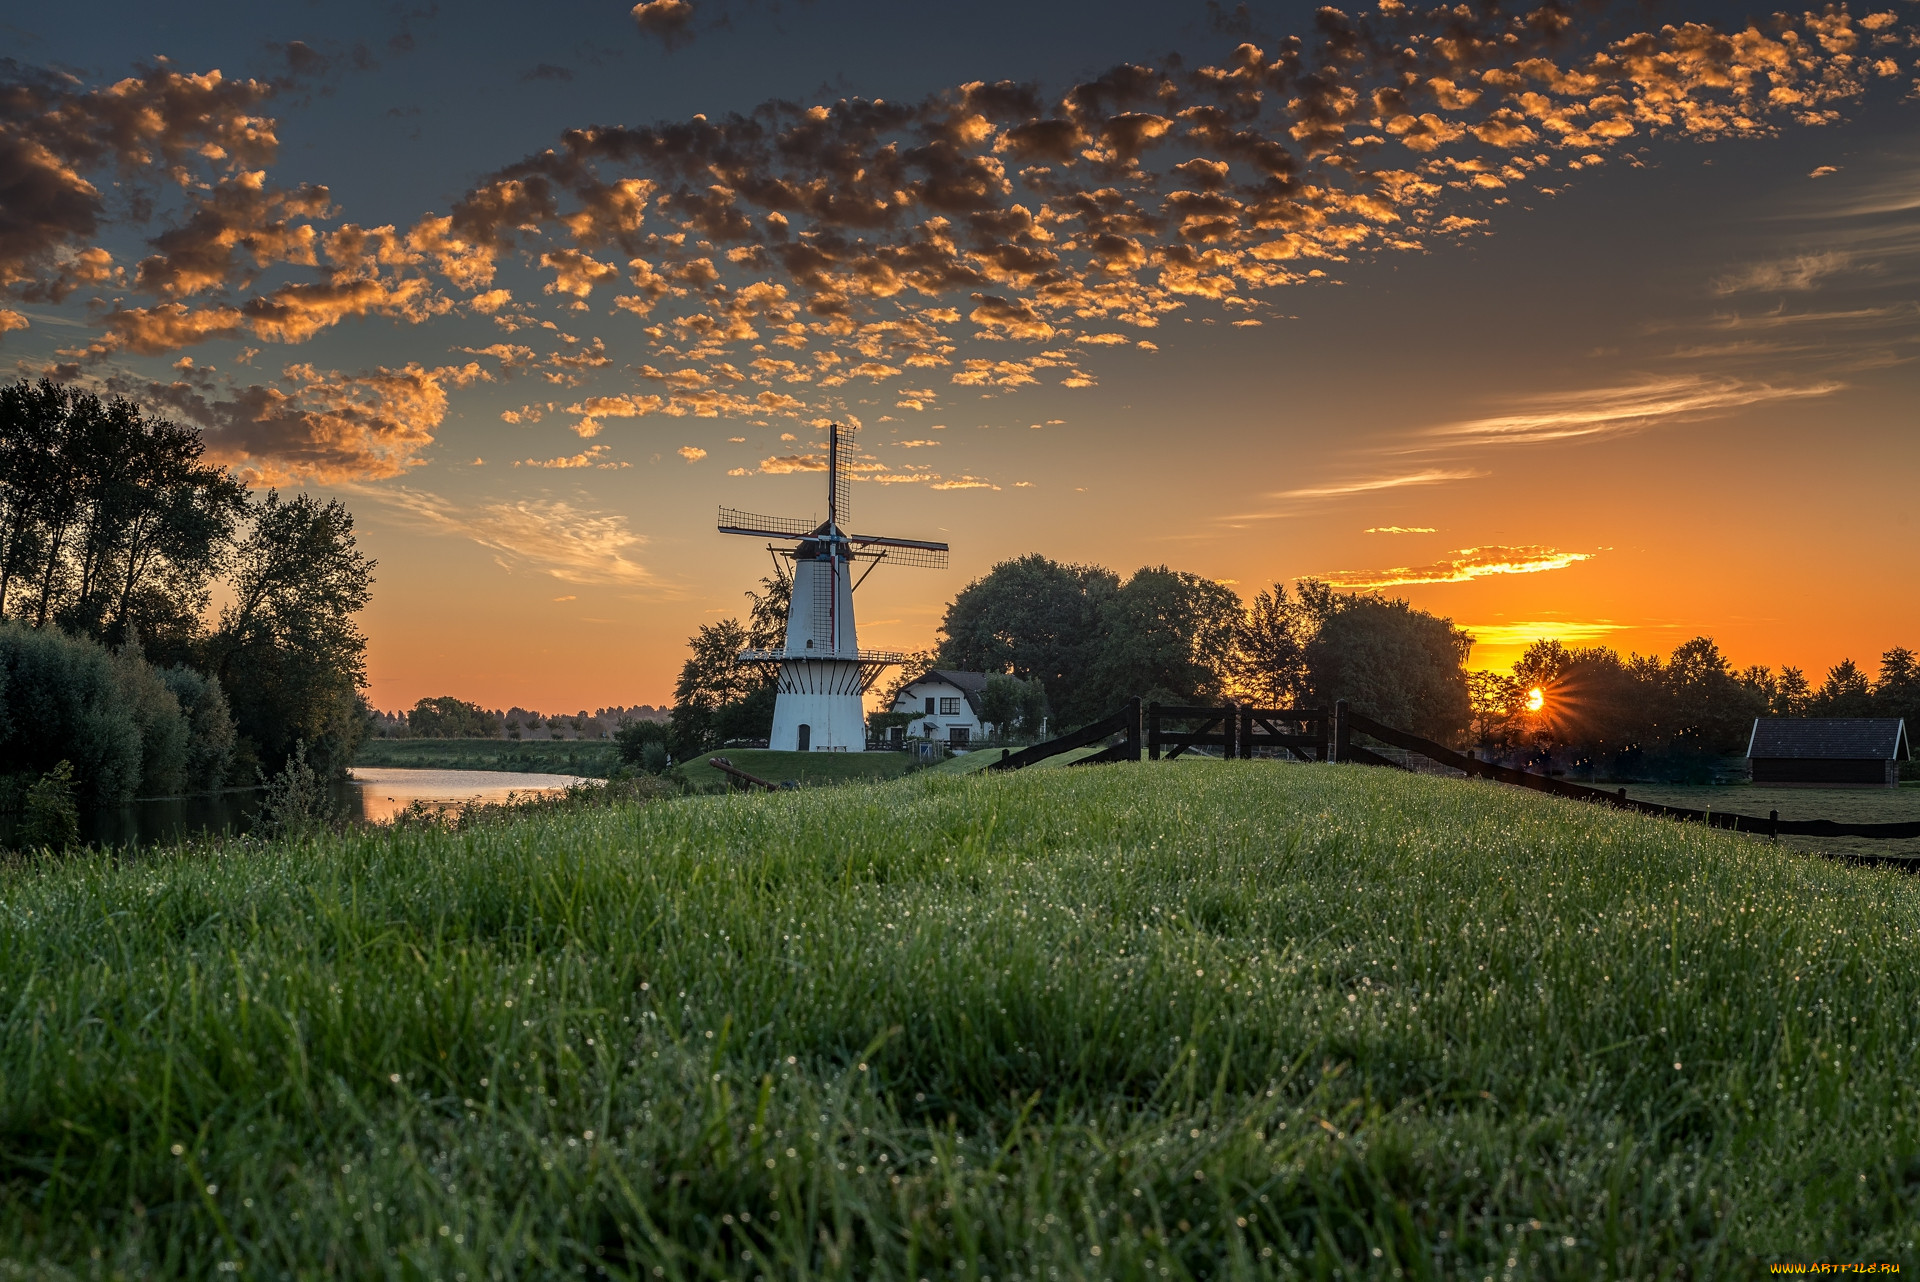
{"x":594,"y":758}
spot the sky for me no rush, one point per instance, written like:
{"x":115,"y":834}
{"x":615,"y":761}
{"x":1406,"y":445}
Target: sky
{"x":1588,"y":322}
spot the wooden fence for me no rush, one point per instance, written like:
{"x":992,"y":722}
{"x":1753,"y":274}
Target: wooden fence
{"x":1239,"y":729}
{"x":1319,"y":734}
{"x":1124,"y":723}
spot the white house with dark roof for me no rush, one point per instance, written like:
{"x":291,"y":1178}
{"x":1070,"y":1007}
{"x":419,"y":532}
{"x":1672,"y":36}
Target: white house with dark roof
{"x":946,"y":705}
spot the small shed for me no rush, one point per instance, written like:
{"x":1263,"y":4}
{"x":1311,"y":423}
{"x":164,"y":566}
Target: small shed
{"x":1828,"y":752}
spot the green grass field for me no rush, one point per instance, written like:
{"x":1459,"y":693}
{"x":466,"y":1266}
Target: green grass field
{"x":591,"y":757}
{"x":809,"y":768}
{"x":1202,"y":1020}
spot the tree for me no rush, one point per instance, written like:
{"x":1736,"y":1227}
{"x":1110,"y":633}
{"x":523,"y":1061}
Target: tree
{"x":1269,"y":663}
{"x":1168,"y":636}
{"x":287,"y":650}
{"x":1011,"y":705}
{"x":1845,"y":693}
{"x":110,"y":523}
{"x":1710,"y":709}
{"x":717,"y":697}
{"x":1390,"y":662}
{"x":1599,"y":704}
{"x":1035,"y":619}
{"x":449,"y":718}
{"x":1897,"y":692}
{"x":1791,"y":694}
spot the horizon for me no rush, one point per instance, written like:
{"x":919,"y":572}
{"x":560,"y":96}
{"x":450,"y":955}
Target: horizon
{"x":1567,"y":346}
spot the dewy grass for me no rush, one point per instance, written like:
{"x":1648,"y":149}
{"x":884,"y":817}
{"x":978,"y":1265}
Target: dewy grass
{"x":1184,"y":1021}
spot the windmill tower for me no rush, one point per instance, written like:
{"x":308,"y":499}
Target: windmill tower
{"x":823,"y":670}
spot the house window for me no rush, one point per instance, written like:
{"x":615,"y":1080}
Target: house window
{"x":929,"y":705}
{"x":948,"y":707}
{"x":957,"y":737}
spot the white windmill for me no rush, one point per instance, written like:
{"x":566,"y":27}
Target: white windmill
{"x":823,"y":670}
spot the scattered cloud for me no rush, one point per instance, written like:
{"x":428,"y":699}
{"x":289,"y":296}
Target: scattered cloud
{"x":691,"y":453}
{"x":1463,"y":566}
{"x":1400,"y":529}
{"x":1822,"y":171}
{"x":1511,"y":635}
{"x":546,"y":536}
{"x":1613,"y":411}
{"x":779,"y":257}
{"x":317,"y":425}
{"x":669,"y":21}
{"x":1368,"y":485}
{"x":1797,"y":274}
{"x":594,"y":456}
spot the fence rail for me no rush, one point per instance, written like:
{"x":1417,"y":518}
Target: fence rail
{"x":1125,"y":723}
{"x":1238,"y":730}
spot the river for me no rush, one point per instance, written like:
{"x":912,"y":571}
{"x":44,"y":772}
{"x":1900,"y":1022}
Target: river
{"x":372,"y":795}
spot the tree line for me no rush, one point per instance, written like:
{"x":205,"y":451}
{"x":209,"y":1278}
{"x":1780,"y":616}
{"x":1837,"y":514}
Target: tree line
{"x":1073,"y":641}
{"x":1076,"y":640}
{"x":115,"y":532}
{"x":1639,"y":715}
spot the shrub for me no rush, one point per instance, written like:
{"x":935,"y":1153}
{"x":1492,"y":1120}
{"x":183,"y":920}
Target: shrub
{"x":296,"y":802}
{"x":210,"y":732}
{"x":51,"y":820}
{"x":156,"y":713}
{"x":61,"y":700}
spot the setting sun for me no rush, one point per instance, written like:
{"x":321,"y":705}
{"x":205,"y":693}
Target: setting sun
{"x":1536,"y":699}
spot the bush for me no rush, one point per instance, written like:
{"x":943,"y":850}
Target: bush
{"x":51,"y":819}
{"x":297,"y":802}
{"x":163,"y":729}
{"x":210,"y":733}
{"x":61,"y":700}
{"x":636,"y":737}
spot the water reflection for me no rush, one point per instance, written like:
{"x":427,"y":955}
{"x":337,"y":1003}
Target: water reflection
{"x":380,"y":792}
{"x":374,"y":794}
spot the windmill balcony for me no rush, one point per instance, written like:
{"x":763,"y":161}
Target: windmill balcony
{"x":887,"y":657}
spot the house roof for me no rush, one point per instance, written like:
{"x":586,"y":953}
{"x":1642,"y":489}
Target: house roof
{"x":1829,"y":738}
{"x":970,"y":684}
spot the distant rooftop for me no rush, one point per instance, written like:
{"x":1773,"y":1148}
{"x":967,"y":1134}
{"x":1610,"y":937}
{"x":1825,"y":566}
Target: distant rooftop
{"x":1829,"y":739}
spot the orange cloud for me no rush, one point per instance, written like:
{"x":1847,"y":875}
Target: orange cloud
{"x":321,"y":425}
{"x":1368,"y":485}
{"x":1606,"y":411}
{"x":551,"y":537}
{"x":1464,"y":566}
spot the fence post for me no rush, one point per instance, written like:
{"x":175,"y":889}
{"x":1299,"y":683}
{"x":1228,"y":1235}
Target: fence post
{"x":1133,"y":729}
{"x":1230,"y":731}
{"x":1246,"y":732}
{"x":1153,"y":731}
{"x":1342,"y":732}
{"x":1326,"y":730}
{"x":1773,"y":825}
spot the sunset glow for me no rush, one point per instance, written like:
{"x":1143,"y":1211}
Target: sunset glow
{"x":1521,"y":321}
{"x":1536,"y":699}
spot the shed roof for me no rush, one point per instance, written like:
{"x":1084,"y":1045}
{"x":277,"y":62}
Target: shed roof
{"x":1829,"y":738}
